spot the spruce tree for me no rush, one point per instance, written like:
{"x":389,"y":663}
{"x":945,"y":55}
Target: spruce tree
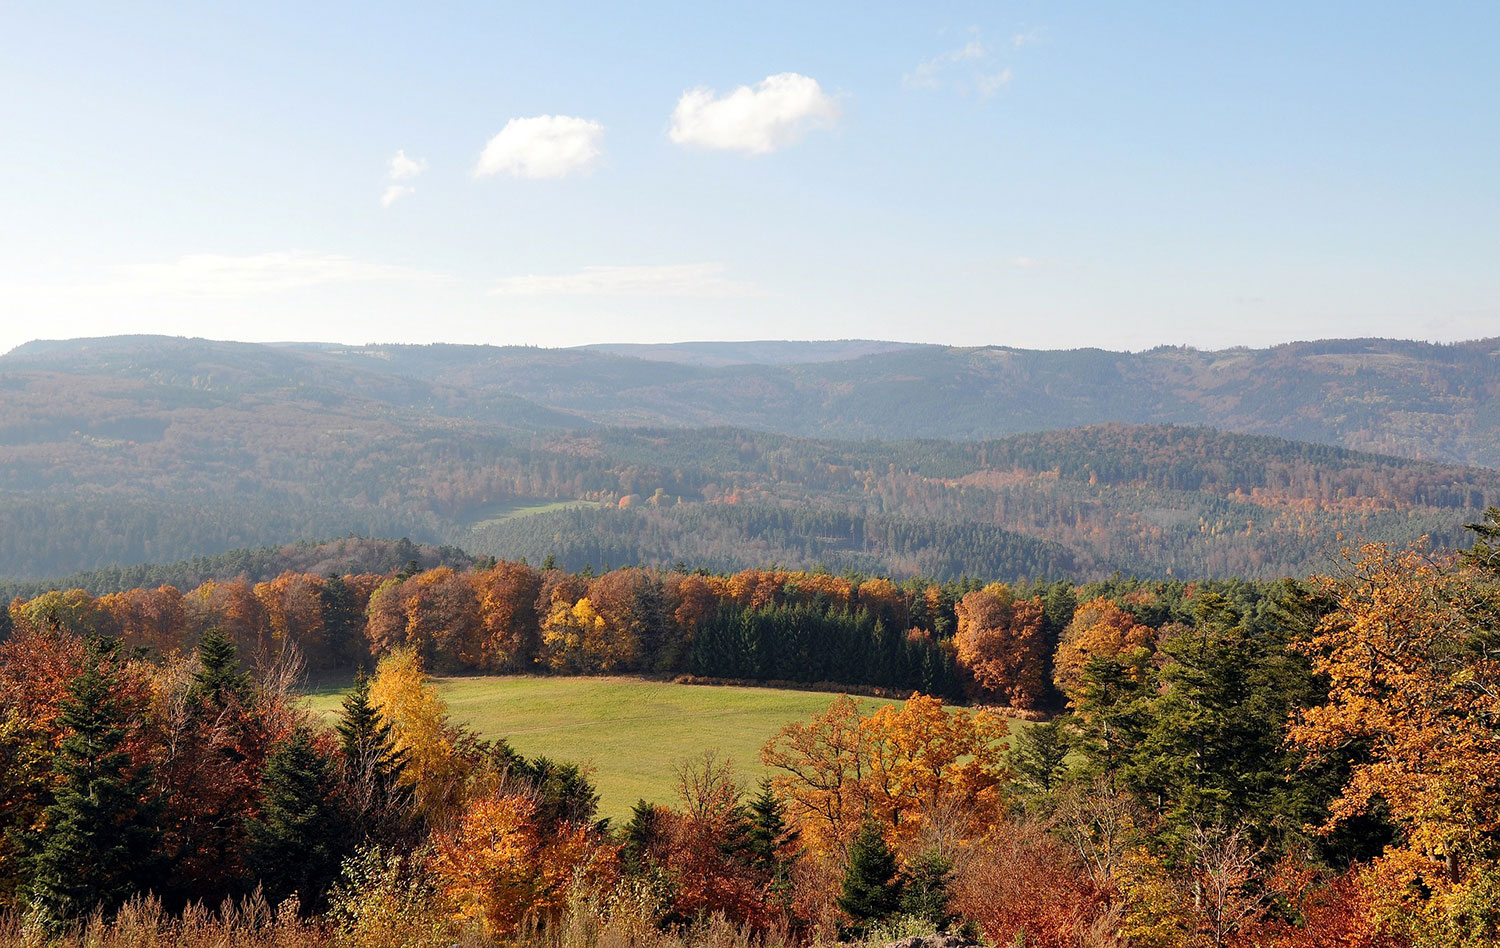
{"x":643,"y":834}
{"x":299,"y":837}
{"x":925,"y":890}
{"x":872,"y":888}
{"x":219,"y":678}
{"x":102,"y":829}
{"x":342,"y":618}
{"x":769,"y":836}
{"x":379,"y":799}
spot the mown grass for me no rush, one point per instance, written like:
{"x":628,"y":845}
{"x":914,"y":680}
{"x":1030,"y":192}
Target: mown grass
{"x":633,"y":733}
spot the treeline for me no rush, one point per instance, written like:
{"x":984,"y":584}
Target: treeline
{"x":956,"y":640}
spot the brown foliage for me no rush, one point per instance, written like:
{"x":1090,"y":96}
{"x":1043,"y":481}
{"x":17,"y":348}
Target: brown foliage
{"x":1001,"y":645}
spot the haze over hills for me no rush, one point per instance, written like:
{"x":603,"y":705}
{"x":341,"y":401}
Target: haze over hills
{"x":133,"y":449}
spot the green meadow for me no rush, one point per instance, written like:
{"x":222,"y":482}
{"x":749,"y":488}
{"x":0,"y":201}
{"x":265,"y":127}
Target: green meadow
{"x":633,"y":734}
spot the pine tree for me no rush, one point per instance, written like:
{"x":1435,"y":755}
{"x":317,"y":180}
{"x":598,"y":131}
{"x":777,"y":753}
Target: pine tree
{"x":379,"y":799}
{"x":1038,"y":756}
{"x":872,"y":888}
{"x":99,"y":845}
{"x":299,"y":837}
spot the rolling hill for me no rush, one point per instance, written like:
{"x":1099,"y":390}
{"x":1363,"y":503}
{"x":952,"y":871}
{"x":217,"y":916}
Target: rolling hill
{"x":882,"y":458}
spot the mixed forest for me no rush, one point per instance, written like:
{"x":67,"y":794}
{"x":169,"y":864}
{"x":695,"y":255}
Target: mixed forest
{"x":128,"y":451}
{"x":1291,"y":763}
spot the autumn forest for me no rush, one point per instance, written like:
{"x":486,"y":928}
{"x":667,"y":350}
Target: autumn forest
{"x":1115,"y":682}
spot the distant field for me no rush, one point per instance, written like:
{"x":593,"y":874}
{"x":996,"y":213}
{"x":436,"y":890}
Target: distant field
{"x":633,"y":733}
{"x":503,"y":513}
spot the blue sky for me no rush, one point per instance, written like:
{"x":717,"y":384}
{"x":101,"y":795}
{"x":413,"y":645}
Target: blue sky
{"x":1045,"y":175}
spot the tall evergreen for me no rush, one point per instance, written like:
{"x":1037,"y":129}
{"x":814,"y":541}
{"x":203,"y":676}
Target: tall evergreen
{"x":102,"y":829}
{"x":219,"y":679}
{"x":299,"y":837}
{"x":872,"y":887}
{"x":342,"y":619}
{"x":769,"y":836}
{"x":377,"y":796}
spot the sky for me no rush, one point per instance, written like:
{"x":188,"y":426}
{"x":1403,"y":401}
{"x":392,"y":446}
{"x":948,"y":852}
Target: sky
{"x":1041,"y":175}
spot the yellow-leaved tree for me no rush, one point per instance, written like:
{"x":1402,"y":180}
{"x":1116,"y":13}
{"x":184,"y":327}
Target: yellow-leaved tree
{"x":404,"y":695}
{"x":1412,"y":656}
{"x":497,"y":870}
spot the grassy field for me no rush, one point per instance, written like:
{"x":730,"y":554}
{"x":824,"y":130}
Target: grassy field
{"x":503,"y":512}
{"x":633,"y":733}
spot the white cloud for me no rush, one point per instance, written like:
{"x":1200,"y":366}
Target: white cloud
{"x":1029,"y":38}
{"x":991,"y":83}
{"x":776,"y":112}
{"x":544,"y":146}
{"x":208,"y":274}
{"x":404,"y":168}
{"x":394,"y":193}
{"x":683,"y":279}
{"x":401,"y":168}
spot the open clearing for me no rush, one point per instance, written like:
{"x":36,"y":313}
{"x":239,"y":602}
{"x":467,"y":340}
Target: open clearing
{"x":633,"y":733}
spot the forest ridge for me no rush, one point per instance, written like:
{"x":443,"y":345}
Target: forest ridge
{"x":132,"y":450}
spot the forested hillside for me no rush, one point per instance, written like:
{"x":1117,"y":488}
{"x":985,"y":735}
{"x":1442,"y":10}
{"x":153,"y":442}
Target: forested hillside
{"x":132,"y":450}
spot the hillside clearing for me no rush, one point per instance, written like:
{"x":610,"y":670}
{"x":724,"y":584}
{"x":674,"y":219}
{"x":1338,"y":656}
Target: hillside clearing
{"x":632,"y":733}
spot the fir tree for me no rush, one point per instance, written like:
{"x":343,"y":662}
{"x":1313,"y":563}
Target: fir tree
{"x":99,"y":846}
{"x":642,"y":835}
{"x":924,"y":891}
{"x":299,"y":837}
{"x":378,"y":797}
{"x":872,"y":888}
{"x":1038,"y":756}
{"x":219,"y":679}
{"x":342,"y":618}
{"x":769,"y":836}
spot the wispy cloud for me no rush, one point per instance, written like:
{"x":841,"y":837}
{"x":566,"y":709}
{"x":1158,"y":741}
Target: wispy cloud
{"x":207,"y":274}
{"x":775,"y":112}
{"x":971,"y":67}
{"x":1028,"y":38}
{"x":401,"y":169}
{"x":683,"y":279}
{"x":928,"y":71}
{"x":543,"y":146}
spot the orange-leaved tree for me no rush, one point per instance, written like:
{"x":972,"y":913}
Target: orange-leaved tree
{"x":1002,"y":646}
{"x":497,"y":870}
{"x":1412,"y":658}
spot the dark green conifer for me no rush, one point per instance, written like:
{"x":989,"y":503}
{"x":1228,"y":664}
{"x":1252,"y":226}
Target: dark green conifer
{"x":924,"y":891}
{"x":872,"y":888}
{"x":219,"y":678}
{"x":1038,"y":756}
{"x":102,"y":829}
{"x":299,"y":837}
{"x":645,"y":831}
{"x":769,"y":836}
{"x":342,"y":619}
{"x":378,"y":799}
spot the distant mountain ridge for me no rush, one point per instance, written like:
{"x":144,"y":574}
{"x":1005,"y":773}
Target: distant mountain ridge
{"x":993,"y":462}
{"x":1414,"y":399}
{"x":759,"y":352}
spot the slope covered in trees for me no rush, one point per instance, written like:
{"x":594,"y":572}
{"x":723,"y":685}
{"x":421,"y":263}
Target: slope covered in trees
{"x":134,"y":450}
{"x":1307,"y":762}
